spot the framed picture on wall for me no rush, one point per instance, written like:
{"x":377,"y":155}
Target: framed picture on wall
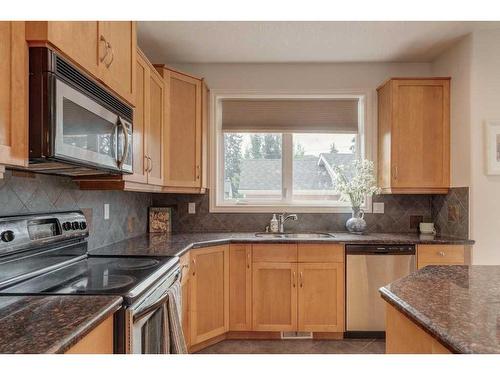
{"x":493,"y":147}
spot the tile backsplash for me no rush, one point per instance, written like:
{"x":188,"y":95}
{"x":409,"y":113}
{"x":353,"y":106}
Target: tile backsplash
{"x":29,"y":193}
{"x":22,"y":193}
{"x":400,"y":211}
{"x":451,"y":212}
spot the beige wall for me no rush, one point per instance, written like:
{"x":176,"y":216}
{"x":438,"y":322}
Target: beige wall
{"x":485,"y":105}
{"x":473,"y":64}
{"x":302,"y":76}
{"x":456,"y":63}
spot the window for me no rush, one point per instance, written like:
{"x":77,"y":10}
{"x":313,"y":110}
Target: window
{"x":278,"y":153}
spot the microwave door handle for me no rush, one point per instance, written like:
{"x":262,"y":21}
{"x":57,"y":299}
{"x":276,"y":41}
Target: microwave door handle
{"x":126,"y":144}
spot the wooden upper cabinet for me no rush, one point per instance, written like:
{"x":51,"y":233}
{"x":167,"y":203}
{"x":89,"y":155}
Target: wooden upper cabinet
{"x":117,"y":56}
{"x":274,"y":302}
{"x":105,"y":49}
{"x":141,"y":118}
{"x":209,"y":300}
{"x":78,"y":40}
{"x":240,"y":287}
{"x":184,"y":131}
{"x":155,"y":129}
{"x":414,"y":135}
{"x":321,"y":297}
{"x":149,"y":120}
{"x":13,"y":95}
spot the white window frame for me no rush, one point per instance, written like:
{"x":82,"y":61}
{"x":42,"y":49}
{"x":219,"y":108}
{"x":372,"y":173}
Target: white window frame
{"x":365,"y":143}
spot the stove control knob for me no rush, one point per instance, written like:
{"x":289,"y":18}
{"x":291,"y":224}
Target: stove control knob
{"x":74,"y":225}
{"x":7,"y":236}
{"x":83,"y":225}
{"x":66,"y":225}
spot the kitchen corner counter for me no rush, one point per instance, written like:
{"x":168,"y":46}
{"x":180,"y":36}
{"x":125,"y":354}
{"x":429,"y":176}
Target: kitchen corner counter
{"x":155,"y":244}
{"x":457,"y":305}
{"x":50,"y":324}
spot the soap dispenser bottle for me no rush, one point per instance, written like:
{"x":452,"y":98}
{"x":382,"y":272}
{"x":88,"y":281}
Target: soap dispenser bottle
{"x":274,"y":224}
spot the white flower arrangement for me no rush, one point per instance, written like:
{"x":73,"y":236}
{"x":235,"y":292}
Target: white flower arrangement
{"x":361,"y":184}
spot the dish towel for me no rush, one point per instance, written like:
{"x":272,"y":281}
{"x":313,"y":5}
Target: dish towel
{"x":177,"y":344}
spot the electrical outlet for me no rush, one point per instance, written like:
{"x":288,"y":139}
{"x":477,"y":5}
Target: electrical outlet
{"x":191,"y":208}
{"x":106,"y":211}
{"x":378,"y":207}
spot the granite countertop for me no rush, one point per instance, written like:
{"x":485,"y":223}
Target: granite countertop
{"x":50,"y":324}
{"x":151,"y":244}
{"x":458,"y":305}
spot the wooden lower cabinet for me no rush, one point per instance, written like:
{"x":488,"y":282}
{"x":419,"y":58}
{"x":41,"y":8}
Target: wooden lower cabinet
{"x":321,"y":297}
{"x":185,"y":261}
{"x":442,"y":255}
{"x":405,"y":337}
{"x":209,"y":293}
{"x":274,"y":303}
{"x":97,"y":341}
{"x":240,"y":287}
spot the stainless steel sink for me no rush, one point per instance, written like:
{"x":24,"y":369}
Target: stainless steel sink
{"x":298,"y":235}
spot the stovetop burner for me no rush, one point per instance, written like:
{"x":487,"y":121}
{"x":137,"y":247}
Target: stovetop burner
{"x":108,"y":283}
{"x":129,"y":264}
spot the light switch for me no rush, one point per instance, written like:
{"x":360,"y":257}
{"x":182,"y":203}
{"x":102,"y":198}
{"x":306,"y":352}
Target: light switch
{"x":106,"y":211}
{"x":378,"y":207}
{"x":191,"y":208}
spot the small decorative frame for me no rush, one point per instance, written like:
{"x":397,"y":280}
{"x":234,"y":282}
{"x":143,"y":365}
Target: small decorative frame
{"x":160,"y":219}
{"x":492,"y":147}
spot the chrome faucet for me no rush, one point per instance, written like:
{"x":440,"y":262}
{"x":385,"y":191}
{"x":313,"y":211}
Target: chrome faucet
{"x":283,"y":218}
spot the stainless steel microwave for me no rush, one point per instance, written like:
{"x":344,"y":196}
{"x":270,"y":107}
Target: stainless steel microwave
{"x":76,"y":126}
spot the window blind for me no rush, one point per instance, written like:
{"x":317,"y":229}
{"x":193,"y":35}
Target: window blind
{"x":290,"y":115}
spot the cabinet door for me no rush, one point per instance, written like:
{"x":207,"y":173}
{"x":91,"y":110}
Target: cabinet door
{"x":240,"y":287}
{"x":155,"y":129}
{"x":13,"y":94}
{"x":274,"y":290}
{"x":321,"y":297}
{"x":185,"y":262}
{"x":421,"y":131}
{"x":184,"y":131}
{"x":117,"y":62}
{"x":209,"y":293}
{"x":141,"y":118}
{"x":79,"y":40}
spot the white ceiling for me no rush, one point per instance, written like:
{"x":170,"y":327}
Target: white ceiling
{"x":273,"y":42}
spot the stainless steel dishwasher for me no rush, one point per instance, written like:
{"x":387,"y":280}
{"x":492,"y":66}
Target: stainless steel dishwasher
{"x":368,"y":268}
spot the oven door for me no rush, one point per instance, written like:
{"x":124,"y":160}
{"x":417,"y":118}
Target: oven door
{"x":150,"y":332}
{"x":89,"y":134}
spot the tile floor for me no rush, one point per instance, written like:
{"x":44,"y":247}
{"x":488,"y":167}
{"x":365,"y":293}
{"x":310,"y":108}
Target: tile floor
{"x":348,"y":346}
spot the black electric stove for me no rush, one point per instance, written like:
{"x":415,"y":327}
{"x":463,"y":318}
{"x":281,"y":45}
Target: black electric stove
{"x":47,"y":255}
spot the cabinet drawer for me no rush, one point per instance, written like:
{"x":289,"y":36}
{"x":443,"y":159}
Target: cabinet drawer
{"x":274,"y":253}
{"x":320,"y":253}
{"x":440,"y":254}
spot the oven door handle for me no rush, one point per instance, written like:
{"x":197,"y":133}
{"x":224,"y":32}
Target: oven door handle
{"x":161,"y":300}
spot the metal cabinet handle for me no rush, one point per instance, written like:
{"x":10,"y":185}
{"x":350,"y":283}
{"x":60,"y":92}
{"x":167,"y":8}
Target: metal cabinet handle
{"x":106,"y":45}
{"x":150,"y":164}
{"x":112,"y":55}
{"x":293,"y":279}
{"x":441,"y":253}
{"x":197,"y":172}
{"x":301,"y":279}
{"x":395,"y":169}
{"x":248,"y":259}
{"x":194,"y":267}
